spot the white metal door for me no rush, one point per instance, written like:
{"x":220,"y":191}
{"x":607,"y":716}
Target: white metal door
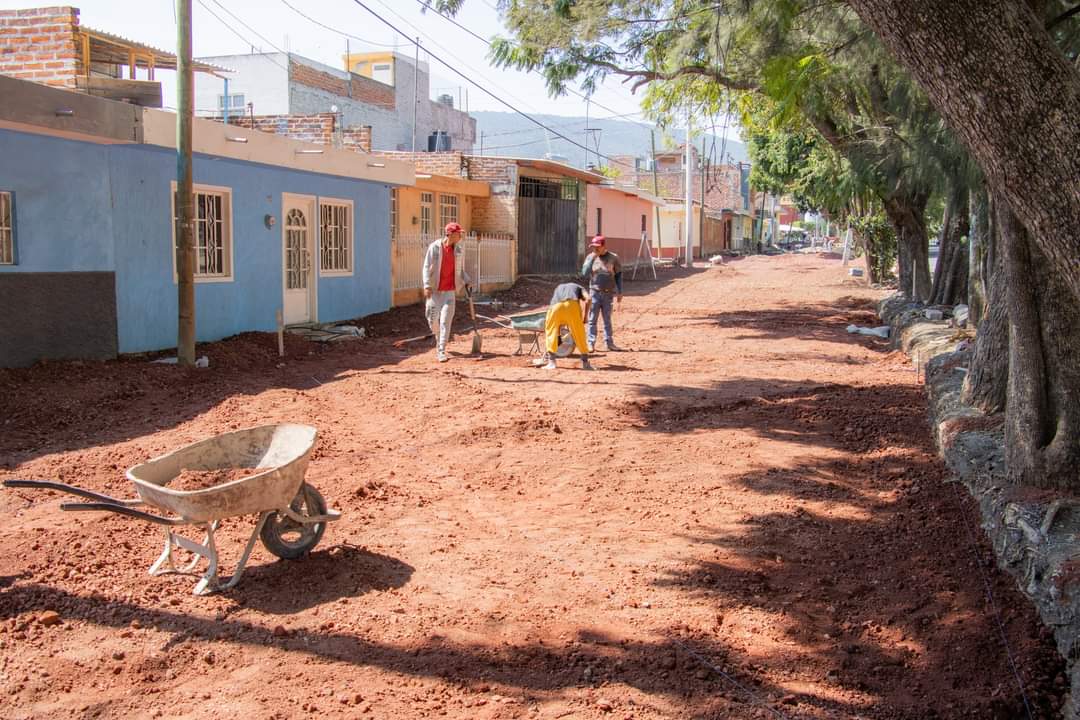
{"x":298,"y":234}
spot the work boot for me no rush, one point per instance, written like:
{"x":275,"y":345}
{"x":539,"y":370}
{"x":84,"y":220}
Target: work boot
{"x":585,"y":364}
{"x":592,"y":347}
{"x":612,"y":347}
{"x":441,"y":356}
{"x":550,"y":365}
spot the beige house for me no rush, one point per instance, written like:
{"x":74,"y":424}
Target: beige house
{"x":418,"y":216}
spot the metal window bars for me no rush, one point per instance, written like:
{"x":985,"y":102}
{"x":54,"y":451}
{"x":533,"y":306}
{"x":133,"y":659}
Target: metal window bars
{"x":296,"y":256}
{"x":334,"y":237}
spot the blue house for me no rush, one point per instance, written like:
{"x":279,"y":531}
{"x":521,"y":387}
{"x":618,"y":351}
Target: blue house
{"x":87,"y":243}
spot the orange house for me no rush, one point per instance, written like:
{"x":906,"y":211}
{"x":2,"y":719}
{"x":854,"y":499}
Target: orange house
{"x":622,"y":215}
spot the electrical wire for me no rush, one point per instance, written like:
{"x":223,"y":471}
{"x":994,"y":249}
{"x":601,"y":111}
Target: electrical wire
{"x":431,"y":41}
{"x":259,"y":35}
{"x":324,"y":26}
{"x":483,"y":89}
{"x":458,"y":25}
{"x":246,"y":41}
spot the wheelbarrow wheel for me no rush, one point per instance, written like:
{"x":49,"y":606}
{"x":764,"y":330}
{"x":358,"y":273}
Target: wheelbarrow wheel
{"x":289,"y":539}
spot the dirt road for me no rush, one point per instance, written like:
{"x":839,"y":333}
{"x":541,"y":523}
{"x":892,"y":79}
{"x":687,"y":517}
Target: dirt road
{"x":740,"y":517}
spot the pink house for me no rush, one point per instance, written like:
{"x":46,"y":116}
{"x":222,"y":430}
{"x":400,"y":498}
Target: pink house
{"x":621,"y":215}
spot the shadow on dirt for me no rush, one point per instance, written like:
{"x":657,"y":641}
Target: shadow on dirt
{"x":860,"y":419}
{"x":343,"y":571}
{"x":696,"y":672}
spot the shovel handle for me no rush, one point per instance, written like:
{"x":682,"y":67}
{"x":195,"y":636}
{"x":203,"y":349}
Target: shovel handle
{"x":61,"y":487}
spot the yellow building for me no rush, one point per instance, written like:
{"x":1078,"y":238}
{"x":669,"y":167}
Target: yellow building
{"x":378,"y":66}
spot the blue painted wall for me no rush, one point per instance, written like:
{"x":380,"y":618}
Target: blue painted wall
{"x":97,"y":207}
{"x":63,"y":213}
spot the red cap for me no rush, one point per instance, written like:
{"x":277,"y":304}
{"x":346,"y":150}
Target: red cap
{"x":452,"y":228}
{"x":597,"y":241}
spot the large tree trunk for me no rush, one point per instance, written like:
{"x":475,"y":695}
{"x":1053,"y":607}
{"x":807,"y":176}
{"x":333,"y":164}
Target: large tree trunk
{"x":906,"y":213}
{"x":987,"y":380}
{"x":1011,"y":96}
{"x":1042,"y":417}
{"x":951,"y":273}
{"x":977,"y":255}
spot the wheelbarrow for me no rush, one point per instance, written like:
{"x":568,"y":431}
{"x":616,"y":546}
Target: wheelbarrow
{"x":529,"y":327}
{"x":292,"y":514}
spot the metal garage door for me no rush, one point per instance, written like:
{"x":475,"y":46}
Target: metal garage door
{"x":547,"y":226}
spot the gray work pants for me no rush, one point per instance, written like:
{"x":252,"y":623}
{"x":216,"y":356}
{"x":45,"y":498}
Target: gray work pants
{"x":439,"y":309}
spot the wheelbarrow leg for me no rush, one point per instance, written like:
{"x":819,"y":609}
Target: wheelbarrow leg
{"x":239,"y":566}
{"x":166,"y":565}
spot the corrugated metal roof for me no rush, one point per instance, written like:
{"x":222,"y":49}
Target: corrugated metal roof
{"x":110,"y":48}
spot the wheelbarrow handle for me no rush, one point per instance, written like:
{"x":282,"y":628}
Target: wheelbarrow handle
{"x":123,"y":510}
{"x":61,"y":487}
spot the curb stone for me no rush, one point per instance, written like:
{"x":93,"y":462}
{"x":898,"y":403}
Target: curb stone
{"x":1034,"y":540}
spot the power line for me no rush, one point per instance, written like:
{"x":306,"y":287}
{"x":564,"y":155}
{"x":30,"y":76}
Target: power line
{"x":235,"y":32}
{"x":324,"y":26}
{"x":231,"y":14}
{"x":458,"y":25}
{"x":446,"y":51}
{"x":483,"y":89}
{"x":562,"y":125}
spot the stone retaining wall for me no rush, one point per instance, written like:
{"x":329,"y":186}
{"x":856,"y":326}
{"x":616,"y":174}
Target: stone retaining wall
{"x":1035,"y":535}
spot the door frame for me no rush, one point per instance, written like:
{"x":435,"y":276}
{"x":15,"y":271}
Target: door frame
{"x":313,"y":229}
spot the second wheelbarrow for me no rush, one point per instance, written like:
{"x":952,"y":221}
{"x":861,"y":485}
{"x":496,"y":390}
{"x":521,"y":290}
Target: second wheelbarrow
{"x":292,"y":514}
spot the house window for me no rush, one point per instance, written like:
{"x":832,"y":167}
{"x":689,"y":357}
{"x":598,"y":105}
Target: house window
{"x":235,"y":102}
{"x":642,"y":223}
{"x":448,"y":209}
{"x":335,"y":236}
{"x":599,"y":221}
{"x":213,"y":232}
{"x":383,"y":73}
{"x":427,"y":201}
{"x":393,"y":213}
{"x":7,"y":230}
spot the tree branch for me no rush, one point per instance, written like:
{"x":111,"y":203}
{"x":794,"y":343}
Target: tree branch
{"x":641,"y":77}
{"x":1062,"y":17}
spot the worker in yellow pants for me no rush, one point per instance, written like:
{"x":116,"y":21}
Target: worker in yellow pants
{"x":564,"y":309}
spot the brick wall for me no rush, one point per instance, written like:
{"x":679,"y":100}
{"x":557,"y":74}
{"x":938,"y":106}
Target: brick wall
{"x":497,"y":213}
{"x":356,"y":87}
{"x":318,"y":129}
{"x":357,"y":138}
{"x":39,"y":45}
{"x":437,"y":163}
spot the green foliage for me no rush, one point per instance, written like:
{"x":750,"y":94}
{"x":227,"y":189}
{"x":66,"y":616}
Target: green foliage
{"x":607,"y":171}
{"x":879,"y":242}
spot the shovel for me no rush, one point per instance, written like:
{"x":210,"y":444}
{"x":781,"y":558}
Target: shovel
{"x":476,"y":341}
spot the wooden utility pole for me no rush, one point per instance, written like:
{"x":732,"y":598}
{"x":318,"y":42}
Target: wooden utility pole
{"x":185,"y":199}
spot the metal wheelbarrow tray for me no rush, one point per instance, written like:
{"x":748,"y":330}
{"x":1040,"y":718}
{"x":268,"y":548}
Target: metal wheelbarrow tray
{"x":529,"y":326}
{"x":292,"y":514}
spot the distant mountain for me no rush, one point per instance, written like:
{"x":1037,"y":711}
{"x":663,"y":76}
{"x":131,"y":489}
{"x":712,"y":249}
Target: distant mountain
{"x":512,"y":135}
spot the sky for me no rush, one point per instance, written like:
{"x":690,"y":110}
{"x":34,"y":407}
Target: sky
{"x":223,"y":27}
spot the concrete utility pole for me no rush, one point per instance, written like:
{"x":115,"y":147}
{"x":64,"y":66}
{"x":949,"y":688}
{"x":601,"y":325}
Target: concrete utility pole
{"x":185,"y":199}
{"x":656,"y":192}
{"x":689,"y":197}
{"x":415,"y":90}
{"x":701,"y":212}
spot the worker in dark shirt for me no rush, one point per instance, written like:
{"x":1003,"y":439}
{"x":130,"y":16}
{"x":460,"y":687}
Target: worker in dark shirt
{"x":565,"y":309}
{"x":603,"y":270}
